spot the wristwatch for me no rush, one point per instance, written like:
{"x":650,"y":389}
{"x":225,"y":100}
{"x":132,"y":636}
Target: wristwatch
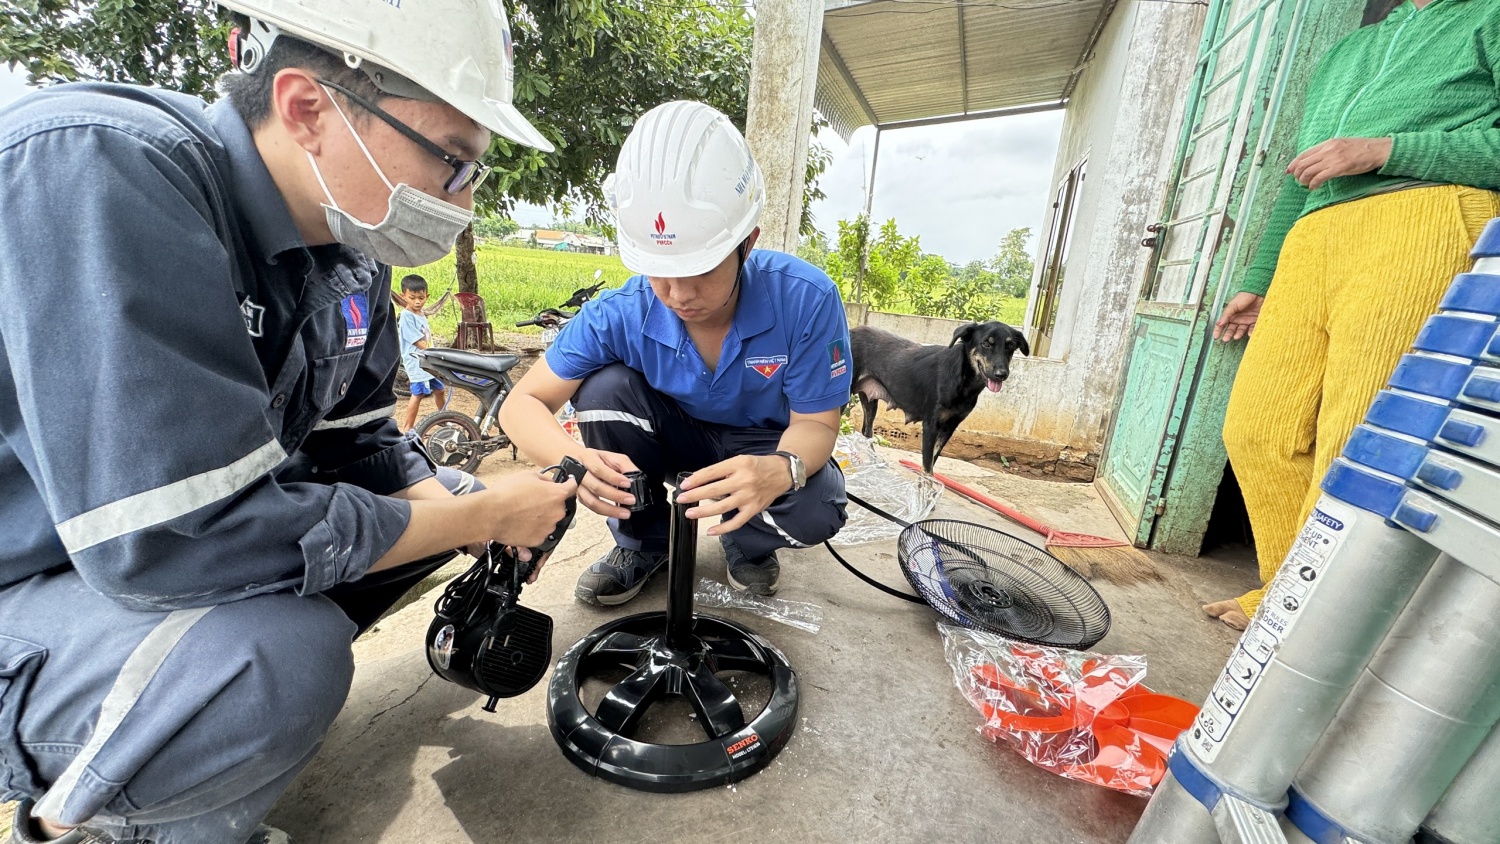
{"x":799,"y":471}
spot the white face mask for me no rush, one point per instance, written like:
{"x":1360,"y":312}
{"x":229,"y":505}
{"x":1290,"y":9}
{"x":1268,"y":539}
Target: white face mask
{"x":418,"y":229}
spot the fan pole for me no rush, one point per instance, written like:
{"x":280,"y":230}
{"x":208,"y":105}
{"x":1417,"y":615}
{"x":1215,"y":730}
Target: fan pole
{"x":681,"y":566}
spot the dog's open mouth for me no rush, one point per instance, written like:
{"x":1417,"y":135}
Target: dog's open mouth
{"x":994,"y":384}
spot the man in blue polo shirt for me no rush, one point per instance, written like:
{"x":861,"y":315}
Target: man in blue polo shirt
{"x":716,"y":360}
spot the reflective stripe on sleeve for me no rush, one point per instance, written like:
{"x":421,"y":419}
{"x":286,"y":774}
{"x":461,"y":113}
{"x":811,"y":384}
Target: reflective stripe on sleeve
{"x":155,"y":506}
{"x":355,"y":421}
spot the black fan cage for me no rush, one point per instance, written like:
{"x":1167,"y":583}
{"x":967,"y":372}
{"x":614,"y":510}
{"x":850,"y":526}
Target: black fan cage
{"x":988,"y":580}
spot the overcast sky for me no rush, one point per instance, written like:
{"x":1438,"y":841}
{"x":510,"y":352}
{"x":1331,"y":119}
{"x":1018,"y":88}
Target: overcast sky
{"x":959,"y":186}
{"x":12,"y":84}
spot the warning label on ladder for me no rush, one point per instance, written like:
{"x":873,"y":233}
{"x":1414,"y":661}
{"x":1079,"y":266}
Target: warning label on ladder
{"x":1293,"y":587}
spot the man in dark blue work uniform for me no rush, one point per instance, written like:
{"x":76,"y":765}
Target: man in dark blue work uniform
{"x":717,"y":360}
{"x":202,"y":494}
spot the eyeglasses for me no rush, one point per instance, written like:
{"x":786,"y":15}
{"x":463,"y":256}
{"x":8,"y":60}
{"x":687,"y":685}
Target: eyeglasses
{"x":466,"y":174}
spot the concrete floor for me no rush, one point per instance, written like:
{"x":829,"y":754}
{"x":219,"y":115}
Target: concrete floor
{"x":886,"y":748}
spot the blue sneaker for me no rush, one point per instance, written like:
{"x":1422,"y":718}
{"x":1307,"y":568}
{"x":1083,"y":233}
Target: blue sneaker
{"x":617,"y":577}
{"x":758,"y":577}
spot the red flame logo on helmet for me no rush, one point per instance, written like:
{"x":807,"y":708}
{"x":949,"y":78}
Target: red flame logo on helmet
{"x":661,"y":224}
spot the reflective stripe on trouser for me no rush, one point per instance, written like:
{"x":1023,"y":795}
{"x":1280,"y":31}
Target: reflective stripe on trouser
{"x":178,"y":728}
{"x":618,"y":411}
{"x":1353,"y":285}
{"x":186,"y":751}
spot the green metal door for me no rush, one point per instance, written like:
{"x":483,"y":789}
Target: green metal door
{"x":1235,"y":85}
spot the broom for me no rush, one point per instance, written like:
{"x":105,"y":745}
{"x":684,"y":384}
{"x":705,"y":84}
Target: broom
{"x":1091,"y":556}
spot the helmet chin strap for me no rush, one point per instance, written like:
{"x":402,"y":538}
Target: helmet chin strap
{"x":742,"y":252}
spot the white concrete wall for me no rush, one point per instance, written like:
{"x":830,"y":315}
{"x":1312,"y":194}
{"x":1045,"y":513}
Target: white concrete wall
{"x":1088,"y":130}
{"x":934,"y":331}
{"x":1123,"y":117}
{"x":783,"y":74}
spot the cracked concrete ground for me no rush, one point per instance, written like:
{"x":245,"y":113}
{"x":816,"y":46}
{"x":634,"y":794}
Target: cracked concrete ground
{"x":886,"y":749}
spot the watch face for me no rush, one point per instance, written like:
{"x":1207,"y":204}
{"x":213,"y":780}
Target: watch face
{"x":799,"y":472}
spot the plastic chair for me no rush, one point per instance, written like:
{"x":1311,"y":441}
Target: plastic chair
{"x":474,"y":330}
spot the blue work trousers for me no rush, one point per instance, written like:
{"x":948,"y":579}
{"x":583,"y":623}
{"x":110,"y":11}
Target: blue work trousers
{"x":176,"y":727}
{"x":618,"y":411}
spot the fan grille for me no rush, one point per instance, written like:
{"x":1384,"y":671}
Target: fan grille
{"x":985,"y":579}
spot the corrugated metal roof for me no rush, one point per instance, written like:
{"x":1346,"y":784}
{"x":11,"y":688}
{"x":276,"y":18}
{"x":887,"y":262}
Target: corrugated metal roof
{"x":891,"y":61}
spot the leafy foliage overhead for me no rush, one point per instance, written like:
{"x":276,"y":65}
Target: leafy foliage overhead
{"x":585,"y":70}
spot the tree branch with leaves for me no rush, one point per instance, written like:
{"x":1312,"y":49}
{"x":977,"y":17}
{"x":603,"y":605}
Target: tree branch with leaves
{"x":585,"y":70}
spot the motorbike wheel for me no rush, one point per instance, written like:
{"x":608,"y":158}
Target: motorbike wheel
{"x":402,"y":387}
{"x":452,"y":439}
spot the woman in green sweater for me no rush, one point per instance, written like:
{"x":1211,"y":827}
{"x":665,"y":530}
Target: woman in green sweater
{"x":1399,"y":158}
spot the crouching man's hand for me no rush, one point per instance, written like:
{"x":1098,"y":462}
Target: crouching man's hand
{"x":519,"y":510}
{"x":524,"y":509}
{"x":747,"y":483}
{"x":604,"y":487}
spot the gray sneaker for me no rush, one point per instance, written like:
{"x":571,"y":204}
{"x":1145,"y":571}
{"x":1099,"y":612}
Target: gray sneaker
{"x":758,"y":577}
{"x":617,"y":577}
{"x":23,"y":830}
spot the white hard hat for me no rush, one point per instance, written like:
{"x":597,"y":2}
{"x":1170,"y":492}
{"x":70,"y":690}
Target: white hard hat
{"x":454,"y":51}
{"x":685,"y":192}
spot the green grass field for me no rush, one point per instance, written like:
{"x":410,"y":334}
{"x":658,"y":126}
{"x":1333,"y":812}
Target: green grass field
{"x":517,"y":282}
{"x":1012,"y":311}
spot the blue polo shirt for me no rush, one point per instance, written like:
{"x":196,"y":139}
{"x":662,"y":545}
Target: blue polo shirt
{"x":787,"y":350}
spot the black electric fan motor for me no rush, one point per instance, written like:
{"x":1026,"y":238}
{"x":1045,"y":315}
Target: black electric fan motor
{"x":481,"y":637}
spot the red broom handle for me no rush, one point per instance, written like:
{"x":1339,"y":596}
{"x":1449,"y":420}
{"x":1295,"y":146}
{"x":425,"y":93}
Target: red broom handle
{"x":976,"y":495}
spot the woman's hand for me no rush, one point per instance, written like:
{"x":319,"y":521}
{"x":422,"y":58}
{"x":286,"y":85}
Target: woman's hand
{"x":1339,"y":157}
{"x":1239,"y":317}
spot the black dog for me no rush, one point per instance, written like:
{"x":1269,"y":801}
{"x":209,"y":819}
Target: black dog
{"x":937,"y":385}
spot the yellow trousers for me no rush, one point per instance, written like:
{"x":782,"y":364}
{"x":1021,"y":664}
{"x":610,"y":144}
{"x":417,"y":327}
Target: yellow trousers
{"x":1353,"y":286}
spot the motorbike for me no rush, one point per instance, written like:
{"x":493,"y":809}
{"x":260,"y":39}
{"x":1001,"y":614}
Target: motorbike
{"x":552,"y":320}
{"x":460,"y":441}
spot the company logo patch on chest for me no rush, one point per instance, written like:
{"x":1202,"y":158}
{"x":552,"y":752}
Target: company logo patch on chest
{"x":255,"y":317}
{"x":838,"y":358}
{"x":766,"y":366}
{"x":356,"y":310}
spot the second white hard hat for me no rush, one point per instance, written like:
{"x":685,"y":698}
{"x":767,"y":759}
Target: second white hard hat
{"x":685,"y":192}
{"x":458,"y":51}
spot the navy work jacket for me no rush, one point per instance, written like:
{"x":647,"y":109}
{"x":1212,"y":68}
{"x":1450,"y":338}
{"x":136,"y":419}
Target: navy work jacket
{"x":194,"y":405}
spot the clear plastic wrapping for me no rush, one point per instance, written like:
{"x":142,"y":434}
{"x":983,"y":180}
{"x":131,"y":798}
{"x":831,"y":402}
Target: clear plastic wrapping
{"x":1080,"y":715}
{"x":711,"y":593}
{"x":893,"y":488}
